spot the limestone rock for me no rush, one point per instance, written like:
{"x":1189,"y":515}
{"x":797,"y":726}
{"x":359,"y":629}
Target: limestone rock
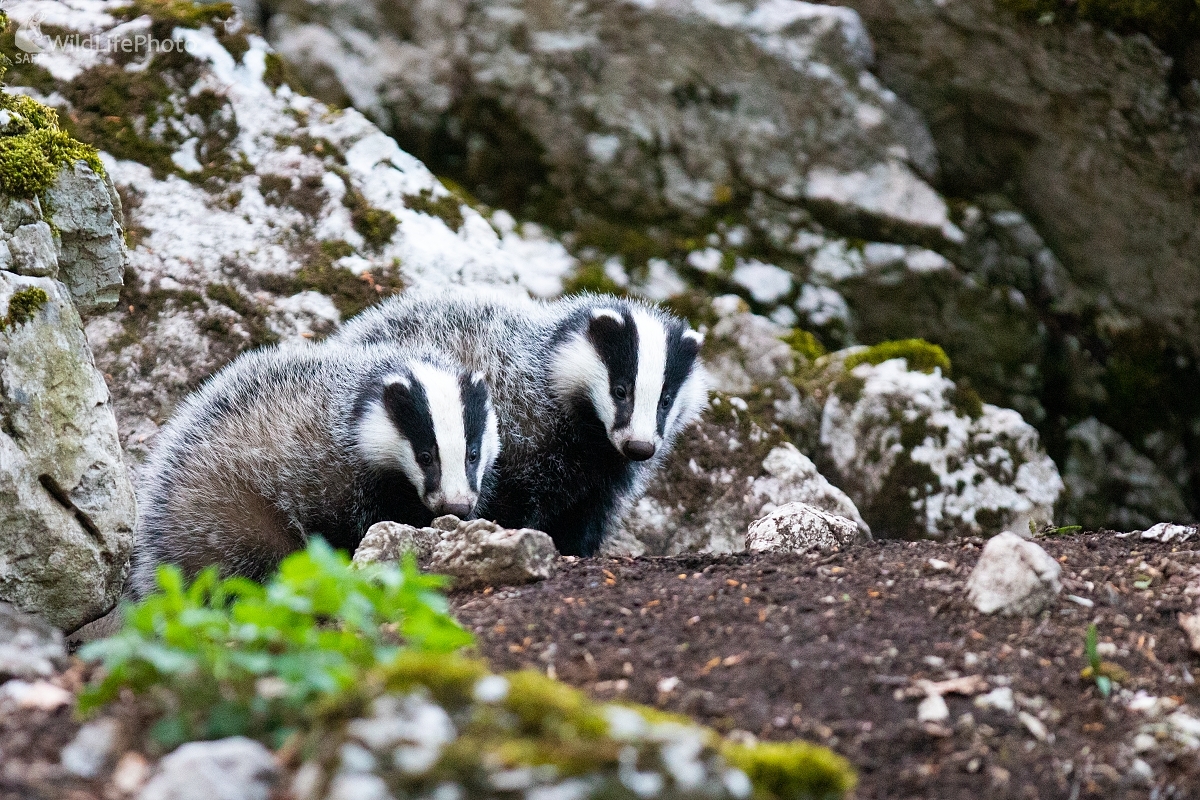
{"x":389,"y":541}
{"x":918,"y":461}
{"x":1014,"y":577}
{"x":30,"y":648}
{"x":33,"y":252}
{"x":792,"y":477}
{"x":799,"y":528}
{"x":227,"y":769}
{"x":66,"y":504}
{"x":91,"y":254}
{"x":474,"y":553}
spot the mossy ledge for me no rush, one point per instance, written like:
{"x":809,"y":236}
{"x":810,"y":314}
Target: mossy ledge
{"x":33,"y":148}
{"x":920,"y":355}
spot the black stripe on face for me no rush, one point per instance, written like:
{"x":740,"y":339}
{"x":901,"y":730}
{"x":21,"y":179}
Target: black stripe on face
{"x":617,"y":345}
{"x":408,"y":409}
{"x":474,"y":394}
{"x":681,"y":358}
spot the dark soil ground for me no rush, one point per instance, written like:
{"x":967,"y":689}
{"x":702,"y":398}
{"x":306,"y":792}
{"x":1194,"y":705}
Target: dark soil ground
{"x":829,"y":649}
{"x":824,"y":648}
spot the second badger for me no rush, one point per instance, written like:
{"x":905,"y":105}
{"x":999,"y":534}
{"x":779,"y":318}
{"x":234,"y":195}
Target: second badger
{"x":287,"y":443}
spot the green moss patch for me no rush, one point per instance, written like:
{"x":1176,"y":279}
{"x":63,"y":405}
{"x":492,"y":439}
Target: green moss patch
{"x":375,"y":225}
{"x":33,"y":148}
{"x":591,"y":277}
{"x":805,"y":344}
{"x":447,"y":208}
{"x":793,"y":770}
{"x":24,"y":306}
{"x":920,"y":355}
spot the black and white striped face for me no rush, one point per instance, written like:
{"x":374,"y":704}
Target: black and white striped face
{"x":640,"y":371}
{"x":439,"y":429}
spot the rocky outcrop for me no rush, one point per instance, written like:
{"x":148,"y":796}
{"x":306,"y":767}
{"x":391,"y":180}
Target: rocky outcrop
{"x":66,"y":504}
{"x":924,"y":461}
{"x":474,"y":553}
{"x":751,"y":148}
{"x":86,"y":212}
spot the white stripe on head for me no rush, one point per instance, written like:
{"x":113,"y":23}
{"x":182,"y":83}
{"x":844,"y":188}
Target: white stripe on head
{"x":446,"y":413}
{"x":651,"y":371}
{"x":380,"y":444}
{"x":601,"y":313}
{"x":577,"y":369}
{"x":690,"y":400}
{"x":489,"y":448}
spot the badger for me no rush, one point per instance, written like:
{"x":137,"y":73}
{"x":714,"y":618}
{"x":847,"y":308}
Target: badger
{"x":591,"y":392}
{"x":291,"y":442}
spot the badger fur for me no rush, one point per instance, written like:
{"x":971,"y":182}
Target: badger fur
{"x":286,"y":443}
{"x":590,"y":392}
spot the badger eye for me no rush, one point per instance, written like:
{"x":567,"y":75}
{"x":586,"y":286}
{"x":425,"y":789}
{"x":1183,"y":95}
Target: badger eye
{"x":664,"y":402}
{"x":424,"y":458}
{"x":620,"y":392}
{"x":473,"y":456}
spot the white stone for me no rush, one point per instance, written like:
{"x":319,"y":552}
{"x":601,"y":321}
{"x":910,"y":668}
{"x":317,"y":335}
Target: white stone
{"x":792,"y":477}
{"x":766,"y":283}
{"x":1000,"y":698}
{"x":933,"y":709}
{"x":1014,"y":577}
{"x":33,"y":251}
{"x":92,"y":748}
{"x":474,"y":553}
{"x":799,"y":528}
{"x":988,"y":473}
{"x":226,"y":769}
{"x":30,"y":648}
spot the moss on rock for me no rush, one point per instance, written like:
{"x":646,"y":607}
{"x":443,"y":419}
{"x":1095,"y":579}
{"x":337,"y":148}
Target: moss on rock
{"x":33,"y":148}
{"x":24,"y":305}
{"x":447,"y":208}
{"x":920,"y":355}
{"x":792,"y":770}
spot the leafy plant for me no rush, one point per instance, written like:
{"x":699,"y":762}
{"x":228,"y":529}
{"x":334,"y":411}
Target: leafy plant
{"x":223,"y":657}
{"x":1104,"y":673}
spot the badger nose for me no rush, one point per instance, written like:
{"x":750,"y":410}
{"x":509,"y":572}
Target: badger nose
{"x":459,"y":508}
{"x":638,"y":450}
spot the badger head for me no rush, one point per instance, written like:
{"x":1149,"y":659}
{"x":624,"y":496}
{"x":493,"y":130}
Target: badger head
{"x":437,"y":426}
{"x":638,"y":370}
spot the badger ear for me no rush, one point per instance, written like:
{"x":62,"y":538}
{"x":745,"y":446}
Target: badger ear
{"x":605,"y":322}
{"x":690,"y":341}
{"x":397,"y":392}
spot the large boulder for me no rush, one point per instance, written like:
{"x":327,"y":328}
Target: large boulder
{"x":66,"y":504}
{"x":923,"y":458}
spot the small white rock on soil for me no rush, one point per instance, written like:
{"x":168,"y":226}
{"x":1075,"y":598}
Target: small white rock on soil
{"x":799,"y":528}
{"x":474,"y":553}
{"x":1014,"y":577}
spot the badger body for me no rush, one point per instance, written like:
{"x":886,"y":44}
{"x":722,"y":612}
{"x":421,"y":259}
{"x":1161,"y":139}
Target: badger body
{"x":287,"y":443}
{"x":590,"y":392}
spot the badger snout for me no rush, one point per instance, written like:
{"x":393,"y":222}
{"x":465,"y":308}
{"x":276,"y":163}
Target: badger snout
{"x":638,"y":450}
{"x":461,"y":507}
